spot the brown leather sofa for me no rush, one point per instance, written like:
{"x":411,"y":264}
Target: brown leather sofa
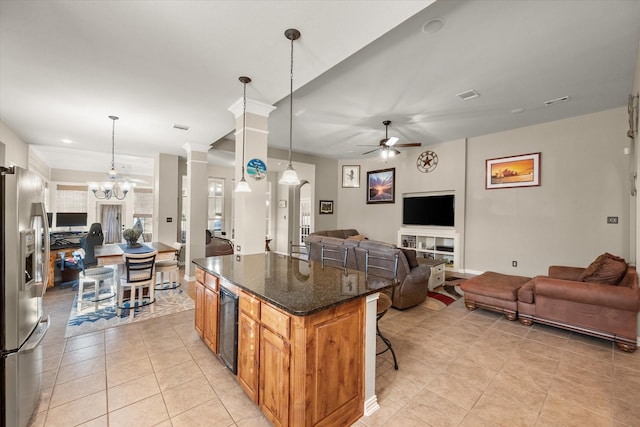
{"x":217,"y":246}
{"x":561,"y":299}
{"x":413,"y":280}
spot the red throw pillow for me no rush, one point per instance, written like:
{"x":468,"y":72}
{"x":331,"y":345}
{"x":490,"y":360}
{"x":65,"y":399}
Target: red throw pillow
{"x":608,"y":269}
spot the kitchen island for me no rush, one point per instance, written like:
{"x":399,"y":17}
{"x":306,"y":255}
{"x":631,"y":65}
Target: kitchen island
{"x":302,"y":333}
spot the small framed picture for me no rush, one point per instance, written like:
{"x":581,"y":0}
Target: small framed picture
{"x":350,"y":176}
{"x":513,"y":171}
{"x":381,"y":186}
{"x":326,"y":206}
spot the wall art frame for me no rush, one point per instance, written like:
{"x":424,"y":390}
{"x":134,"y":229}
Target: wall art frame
{"x":381,"y":186}
{"x":350,"y":176}
{"x":513,"y":171}
{"x":326,"y":207}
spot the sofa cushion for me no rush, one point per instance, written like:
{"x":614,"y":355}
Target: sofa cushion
{"x":608,"y":269}
{"x":410,"y":254}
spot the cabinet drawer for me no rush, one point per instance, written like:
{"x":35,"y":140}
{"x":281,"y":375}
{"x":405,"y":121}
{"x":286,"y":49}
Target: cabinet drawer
{"x":275,"y":320}
{"x":211,"y":281}
{"x":249,"y":305}
{"x":438,"y":277}
{"x":438,"y":268}
{"x":200,"y":275}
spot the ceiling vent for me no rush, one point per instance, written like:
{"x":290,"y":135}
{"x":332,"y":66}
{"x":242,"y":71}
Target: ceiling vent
{"x":181,"y":127}
{"x":557,"y":100}
{"x":469,"y":94}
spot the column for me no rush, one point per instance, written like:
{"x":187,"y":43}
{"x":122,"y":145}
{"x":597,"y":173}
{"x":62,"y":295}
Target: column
{"x":196,"y":205}
{"x":166,"y":217}
{"x":249,"y":210}
{"x":370,"y":398}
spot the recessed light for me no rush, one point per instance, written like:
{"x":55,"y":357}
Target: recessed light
{"x":468,"y":94}
{"x":67,"y":141}
{"x":517,"y":111}
{"x":433,"y":26}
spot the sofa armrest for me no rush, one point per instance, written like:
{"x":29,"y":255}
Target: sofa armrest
{"x":416,"y":281}
{"x":617,"y":297}
{"x":566,"y":273}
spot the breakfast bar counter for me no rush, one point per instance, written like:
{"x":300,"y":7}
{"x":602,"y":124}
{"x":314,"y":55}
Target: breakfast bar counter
{"x":305,"y":334}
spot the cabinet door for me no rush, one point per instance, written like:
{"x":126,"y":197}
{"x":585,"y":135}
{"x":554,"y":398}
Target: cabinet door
{"x":199,"y":317}
{"x":274,"y":377}
{"x":248,"y":341}
{"x":211,"y":319}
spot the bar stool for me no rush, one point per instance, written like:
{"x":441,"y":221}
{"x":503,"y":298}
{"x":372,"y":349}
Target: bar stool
{"x":383,"y":304}
{"x":171,"y":268}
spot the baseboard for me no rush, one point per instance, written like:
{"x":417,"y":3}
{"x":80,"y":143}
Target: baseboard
{"x":474,"y":272}
{"x":371,"y":405}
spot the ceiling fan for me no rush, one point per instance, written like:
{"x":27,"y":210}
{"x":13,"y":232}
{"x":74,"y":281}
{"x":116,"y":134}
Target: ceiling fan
{"x":388,"y":145}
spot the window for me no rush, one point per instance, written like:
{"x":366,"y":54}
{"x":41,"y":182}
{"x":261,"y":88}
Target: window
{"x":71,"y":198}
{"x":143,"y":211}
{"x":215,"y":218}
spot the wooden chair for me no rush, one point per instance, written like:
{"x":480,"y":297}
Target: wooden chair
{"x":171,"y":268}
{"x":140,"y":276}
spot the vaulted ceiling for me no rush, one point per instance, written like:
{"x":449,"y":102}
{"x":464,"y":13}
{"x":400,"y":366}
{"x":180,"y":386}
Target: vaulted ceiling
{"x":66,"y":66}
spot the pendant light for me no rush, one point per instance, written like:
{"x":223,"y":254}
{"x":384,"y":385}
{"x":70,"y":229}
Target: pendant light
{"x":243,"y":185}
{"x":289,"y":176}
{"x":116,"y":186}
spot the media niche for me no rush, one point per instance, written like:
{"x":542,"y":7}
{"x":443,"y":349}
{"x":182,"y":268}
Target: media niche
{"x":437,"y":210}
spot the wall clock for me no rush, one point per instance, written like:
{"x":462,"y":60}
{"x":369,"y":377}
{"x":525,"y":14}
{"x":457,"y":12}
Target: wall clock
{"x":427,"y":161}
{"x":256,"y":169}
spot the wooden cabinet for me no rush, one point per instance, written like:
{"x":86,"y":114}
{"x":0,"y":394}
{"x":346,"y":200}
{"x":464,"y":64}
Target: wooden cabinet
{"x":206,"y":311}
{"x":302,"y":370}
{"x":248,"y":362}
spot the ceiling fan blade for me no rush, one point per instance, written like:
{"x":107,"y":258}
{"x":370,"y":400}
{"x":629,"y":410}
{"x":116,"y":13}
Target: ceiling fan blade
{"x":410,"y":144}
{"x":366,"y":145}
{"x":391,"y":141}
{"x":368,"y":152}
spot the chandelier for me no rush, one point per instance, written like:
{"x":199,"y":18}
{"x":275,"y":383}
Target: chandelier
{"x":116,"y":186}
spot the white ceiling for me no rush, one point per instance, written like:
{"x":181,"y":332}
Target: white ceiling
{"x":67,"y":65}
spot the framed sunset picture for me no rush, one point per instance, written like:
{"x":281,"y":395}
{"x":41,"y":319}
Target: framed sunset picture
{"x":514,"y":171}
{"x":381,"y":186}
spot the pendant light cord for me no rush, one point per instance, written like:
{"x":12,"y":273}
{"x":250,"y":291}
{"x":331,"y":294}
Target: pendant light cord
{"x":113,"y":143}
{"x":244,"y":122}
{"x":291,"y":105}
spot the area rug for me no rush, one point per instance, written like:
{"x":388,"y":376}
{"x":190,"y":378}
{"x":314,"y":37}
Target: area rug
{"x":444,"y":295}
{"x":92,"y":319}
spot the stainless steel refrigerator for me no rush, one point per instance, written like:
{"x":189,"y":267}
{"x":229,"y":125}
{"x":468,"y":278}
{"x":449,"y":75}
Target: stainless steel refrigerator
{"x":24,"y":257}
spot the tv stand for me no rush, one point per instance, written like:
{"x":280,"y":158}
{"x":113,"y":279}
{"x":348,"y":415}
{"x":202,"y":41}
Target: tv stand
{"x":432,"y":243}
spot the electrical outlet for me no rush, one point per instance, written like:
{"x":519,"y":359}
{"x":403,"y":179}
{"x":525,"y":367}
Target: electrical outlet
{"x":612,"y":220}
{"x":238,"y":248}
{"x":514,"y":263}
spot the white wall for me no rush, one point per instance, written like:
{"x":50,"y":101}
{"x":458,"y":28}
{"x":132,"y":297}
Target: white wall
{"x":382,"y":221}
{"x":16,"y":152}
{"x":584,"y":179}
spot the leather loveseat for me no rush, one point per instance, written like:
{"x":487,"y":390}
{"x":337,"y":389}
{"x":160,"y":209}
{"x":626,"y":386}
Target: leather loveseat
{"x":604,"y":310}
{"x":413,"y":278}
{"x":217,"y":245}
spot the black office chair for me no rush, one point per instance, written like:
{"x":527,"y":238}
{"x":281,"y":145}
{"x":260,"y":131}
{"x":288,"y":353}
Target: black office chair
{"x":88,"y":242}
{"x":92,"y":239}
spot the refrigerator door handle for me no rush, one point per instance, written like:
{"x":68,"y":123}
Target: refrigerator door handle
{"x":38,"y":334}
{"x":41,"y":288}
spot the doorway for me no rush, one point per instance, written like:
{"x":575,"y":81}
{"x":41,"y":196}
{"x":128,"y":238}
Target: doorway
{"x":111,"y":220}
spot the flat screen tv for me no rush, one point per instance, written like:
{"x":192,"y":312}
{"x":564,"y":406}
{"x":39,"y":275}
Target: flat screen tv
{"x":71,"y":219}
{"x":429,"y":210}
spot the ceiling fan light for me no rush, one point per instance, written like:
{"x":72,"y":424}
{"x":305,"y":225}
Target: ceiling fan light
{"x":289,"y":177}
{"x":243,"y":186}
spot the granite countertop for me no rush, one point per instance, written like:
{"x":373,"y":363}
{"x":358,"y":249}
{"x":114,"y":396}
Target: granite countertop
{"x":297,"y":286}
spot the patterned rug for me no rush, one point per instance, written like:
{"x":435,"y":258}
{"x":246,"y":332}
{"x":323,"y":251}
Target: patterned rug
{"x":92,"y":318}
{"x":444,"y":295}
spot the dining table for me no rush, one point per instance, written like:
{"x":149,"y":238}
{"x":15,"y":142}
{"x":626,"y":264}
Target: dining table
{"x":111,"y":254}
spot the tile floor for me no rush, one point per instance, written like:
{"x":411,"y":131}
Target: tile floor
{"x":457,"y":368}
